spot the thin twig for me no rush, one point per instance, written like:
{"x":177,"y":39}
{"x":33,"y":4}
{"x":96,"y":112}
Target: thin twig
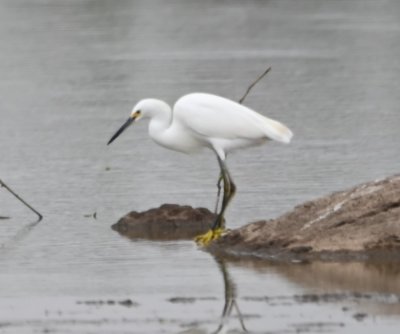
{"x":253,"y":84}
{"x":2,"y":184}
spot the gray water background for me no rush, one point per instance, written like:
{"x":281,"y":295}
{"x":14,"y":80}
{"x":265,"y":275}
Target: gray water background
{"x":70,"y":72}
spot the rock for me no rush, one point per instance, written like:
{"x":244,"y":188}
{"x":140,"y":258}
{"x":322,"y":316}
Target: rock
{"x":361,"y":222}
{"x":168,"y":222}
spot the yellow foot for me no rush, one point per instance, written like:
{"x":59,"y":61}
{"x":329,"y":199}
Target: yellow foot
{"x":205,"y":239}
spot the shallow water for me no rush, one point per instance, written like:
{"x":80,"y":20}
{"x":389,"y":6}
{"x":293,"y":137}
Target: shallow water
{"x":70,"y":73}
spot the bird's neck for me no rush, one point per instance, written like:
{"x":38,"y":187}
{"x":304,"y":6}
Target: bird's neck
{"x":160,"y":122}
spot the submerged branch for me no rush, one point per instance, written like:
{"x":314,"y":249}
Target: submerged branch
{"x":2,"y":184}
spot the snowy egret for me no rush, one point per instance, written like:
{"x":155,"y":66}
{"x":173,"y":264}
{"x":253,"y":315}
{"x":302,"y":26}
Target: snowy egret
{"x":201,"y":120}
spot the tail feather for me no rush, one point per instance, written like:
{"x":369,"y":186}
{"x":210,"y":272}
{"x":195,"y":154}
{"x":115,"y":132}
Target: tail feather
{"x":273,"y":129}
{"x":277,"y":131}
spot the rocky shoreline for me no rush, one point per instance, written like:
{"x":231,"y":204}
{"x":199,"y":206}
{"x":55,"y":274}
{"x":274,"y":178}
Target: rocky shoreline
{"x":360,"y":223}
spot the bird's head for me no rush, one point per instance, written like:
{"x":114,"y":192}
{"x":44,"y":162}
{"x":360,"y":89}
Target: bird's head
{"x":146,"y":108}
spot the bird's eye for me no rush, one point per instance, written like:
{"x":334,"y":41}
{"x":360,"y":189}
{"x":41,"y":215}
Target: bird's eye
{"x":137,"y":114}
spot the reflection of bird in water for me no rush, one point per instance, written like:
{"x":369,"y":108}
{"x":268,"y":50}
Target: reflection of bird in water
{"x":230,"y":298}
{"x":200,"y":121}
{"x":229,"y":304}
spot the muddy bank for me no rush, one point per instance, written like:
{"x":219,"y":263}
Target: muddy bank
{"x":362,"y":222}
{"x":168,"y":222}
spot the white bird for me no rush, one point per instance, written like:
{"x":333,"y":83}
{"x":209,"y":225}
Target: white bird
{"x":201,"y":120}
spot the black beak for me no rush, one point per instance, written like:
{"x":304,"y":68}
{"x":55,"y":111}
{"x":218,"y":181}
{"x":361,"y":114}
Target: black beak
{"x":121,"y":129}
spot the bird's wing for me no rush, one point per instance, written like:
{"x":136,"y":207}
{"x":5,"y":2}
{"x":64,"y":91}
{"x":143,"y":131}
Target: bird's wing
{"x":217,"y":117}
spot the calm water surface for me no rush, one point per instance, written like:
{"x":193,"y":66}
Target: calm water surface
{"x":71,"y":72}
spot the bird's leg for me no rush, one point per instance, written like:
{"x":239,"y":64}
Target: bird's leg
{"x":217,"y":227}
{"x":220,"y":178}
{"x":229,"y":191}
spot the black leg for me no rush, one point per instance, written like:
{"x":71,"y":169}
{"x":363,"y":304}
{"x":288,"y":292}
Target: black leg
{"x":229,"y":192}
{"x":218,"y":225}
{"x":220,"y":178}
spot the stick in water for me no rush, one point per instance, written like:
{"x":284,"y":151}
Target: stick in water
{"x":2,"y":184}
{"x":253,"y":84}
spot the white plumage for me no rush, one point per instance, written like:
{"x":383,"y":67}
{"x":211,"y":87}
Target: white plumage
{"x":217,"y":117}
{"x":201,"y":120}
